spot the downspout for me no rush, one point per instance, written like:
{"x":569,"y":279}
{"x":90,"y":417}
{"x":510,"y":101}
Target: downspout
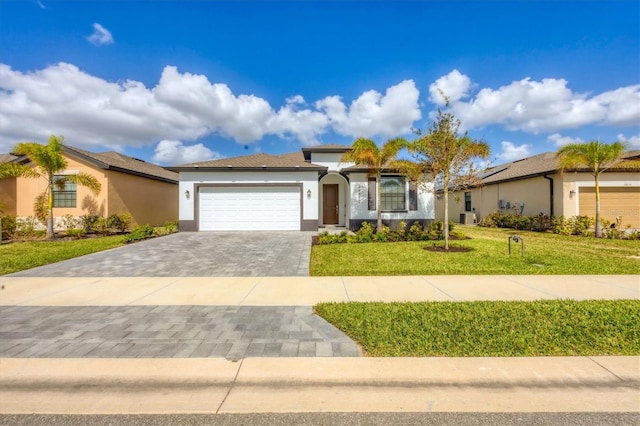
{"x":550,"y":194}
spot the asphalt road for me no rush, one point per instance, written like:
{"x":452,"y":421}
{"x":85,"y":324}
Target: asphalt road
{"x":332,"y":419}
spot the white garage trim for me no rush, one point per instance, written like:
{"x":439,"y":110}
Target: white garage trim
{"x":248,"y":206}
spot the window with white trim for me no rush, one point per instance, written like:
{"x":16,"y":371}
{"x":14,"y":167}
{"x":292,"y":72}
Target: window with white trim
{"x":393,"y":194}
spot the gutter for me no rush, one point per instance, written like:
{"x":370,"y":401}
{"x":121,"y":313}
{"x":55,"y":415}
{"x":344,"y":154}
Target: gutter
{"x":550,"y":194}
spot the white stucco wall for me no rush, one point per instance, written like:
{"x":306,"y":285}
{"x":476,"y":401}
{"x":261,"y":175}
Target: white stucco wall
{"x":330,"y":160}
{"x":309,"y":181}
{"x":359,"y":208}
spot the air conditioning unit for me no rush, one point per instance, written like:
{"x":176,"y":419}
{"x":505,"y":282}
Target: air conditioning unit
{"x":467,"y":218}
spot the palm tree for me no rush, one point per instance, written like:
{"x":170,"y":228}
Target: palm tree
{"x":448,"y":157}
{"x":597,"y":157}
{"x":365,"y":152}
{"x":46,"y":161}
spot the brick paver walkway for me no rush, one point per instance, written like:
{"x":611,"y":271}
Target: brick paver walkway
{"x":233,"y":332}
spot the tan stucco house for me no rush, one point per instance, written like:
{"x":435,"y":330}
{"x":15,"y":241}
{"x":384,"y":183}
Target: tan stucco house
{"x":535,"y":185}
{"x":147,"y":191}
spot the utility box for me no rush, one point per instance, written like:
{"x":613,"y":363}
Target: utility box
{"x":467,"y":218}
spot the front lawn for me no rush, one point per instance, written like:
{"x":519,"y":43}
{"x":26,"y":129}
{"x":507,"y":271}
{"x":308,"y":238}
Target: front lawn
{"x":544,"y":254}
{"x":19,"y":256}
{"x":486,"y":329}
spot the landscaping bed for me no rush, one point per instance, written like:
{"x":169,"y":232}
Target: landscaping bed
{"x":489,"y":329}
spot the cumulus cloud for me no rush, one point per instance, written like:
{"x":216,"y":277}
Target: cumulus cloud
{"x":374,"y":114}
{"x":511,"y":152}
{"x":175,"y":152}
{"x":536,"y":107}
{"x":89,"y":111}
{"x":100,"y":36}
{"x":632,"y":141}
{"x":560,"y":140}
{"x":454,"y":85}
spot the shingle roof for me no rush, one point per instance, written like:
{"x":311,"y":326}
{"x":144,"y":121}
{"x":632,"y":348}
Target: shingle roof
{"x":540,"y":164}
{"x":294,"y":160}
{"x":5,"y":158}
{"x":125,"y":164}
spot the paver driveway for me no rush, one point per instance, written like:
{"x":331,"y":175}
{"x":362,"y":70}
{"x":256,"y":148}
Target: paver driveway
{"x":194,"y":254}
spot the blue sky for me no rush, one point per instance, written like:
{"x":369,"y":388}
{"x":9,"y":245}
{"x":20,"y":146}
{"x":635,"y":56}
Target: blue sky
{"x":176,"y":82}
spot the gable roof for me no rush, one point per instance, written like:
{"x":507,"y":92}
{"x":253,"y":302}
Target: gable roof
{"x":123,"y":163}
{"x":294,"y":161}
{"x":537,"y":165}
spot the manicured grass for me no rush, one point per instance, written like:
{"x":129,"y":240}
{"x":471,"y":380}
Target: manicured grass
{"x":16,"y":257}
{"x":540,"y":328}
{"x":544,"y":254}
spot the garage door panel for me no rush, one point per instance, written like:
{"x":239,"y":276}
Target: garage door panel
{"x":614,"y":201}
{"x":249,"y":208}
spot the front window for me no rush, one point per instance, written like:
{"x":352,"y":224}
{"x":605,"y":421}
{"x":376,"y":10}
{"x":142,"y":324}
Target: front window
{"x":64,"y":194}
{"x":467,"y":201}
{"x":393,"y":194}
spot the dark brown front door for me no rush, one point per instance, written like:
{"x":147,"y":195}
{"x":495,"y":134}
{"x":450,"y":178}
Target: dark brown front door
{"x":330,"y":204}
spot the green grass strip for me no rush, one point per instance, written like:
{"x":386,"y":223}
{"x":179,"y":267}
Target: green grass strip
{"x":16,"y":257}
{"x":484,"y":329}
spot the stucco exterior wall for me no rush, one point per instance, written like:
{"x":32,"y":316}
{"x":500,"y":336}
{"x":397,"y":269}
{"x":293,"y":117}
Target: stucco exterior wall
{"x":27,"y":189}
{"x":329,"y":160}
{"x":359,"y":208}
{"x":150,"y":202}
{"x":533,"y":193}
{"x":8,"y":196}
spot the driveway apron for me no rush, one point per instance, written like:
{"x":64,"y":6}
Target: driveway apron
{"x":194,"y":254}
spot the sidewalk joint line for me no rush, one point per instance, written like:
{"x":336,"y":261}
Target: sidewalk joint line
{"x":250,"y":291}
{"x":346,"y":292}
{"x":235,"y":379}
{"x":606,"y":369}
{"x":453,"y":299}
{"x":154,"y":291}
{"x":24,"y":302}
{"x":531,"y":287}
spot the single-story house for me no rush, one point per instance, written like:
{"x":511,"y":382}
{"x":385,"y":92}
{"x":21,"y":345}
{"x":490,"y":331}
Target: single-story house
{"x":147,"y":191}
{"x":302,"y":190}
{"x":535,"y":185}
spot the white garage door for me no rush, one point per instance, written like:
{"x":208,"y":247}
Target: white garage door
{"x":249,"y":208}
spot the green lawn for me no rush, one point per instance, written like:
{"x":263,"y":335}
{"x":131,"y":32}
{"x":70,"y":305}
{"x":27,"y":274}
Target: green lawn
{"x":16,"y":257}
{"x":541,"y":328}
{"x":544,"y":254}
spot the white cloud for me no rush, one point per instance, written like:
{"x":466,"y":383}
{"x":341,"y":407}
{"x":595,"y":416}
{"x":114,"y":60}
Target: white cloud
{"x":100,"y":36}
{"x":539,"y":106}
{"x":560,"y":140}
{"x":89,"y":111}
{"x":175,"y":152}
{"x":633,"y":141}
{"x":374,"y":114}
{"x":511,"y":152}
{"x":454,"y":85}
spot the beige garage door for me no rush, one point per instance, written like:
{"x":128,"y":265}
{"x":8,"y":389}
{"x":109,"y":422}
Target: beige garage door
{"x":617,"y":201}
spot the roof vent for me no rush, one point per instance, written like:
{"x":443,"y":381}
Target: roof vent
{"x":264,"y":166}
{"x":230,"y":166}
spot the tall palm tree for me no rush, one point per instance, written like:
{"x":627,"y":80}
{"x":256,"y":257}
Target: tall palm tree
{"x":47,"y":162}
{"x":597,"y":157}
{"x":365,"y":152}
{"x":448,"y":157}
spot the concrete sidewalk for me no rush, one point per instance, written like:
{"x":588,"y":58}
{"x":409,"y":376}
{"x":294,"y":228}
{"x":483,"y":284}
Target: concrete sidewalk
{"x":306,"y":291}
{"x":261,"y":385}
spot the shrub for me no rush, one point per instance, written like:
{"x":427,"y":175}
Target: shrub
{"x":560,"y":226}
{"x":8,"y":223}
{"x":364,"y":234}
{"x":88,"y":223}
{"x":70,"y":222}
{"x":28,"y":227}
{"x":580,"y":225}
{"x":171,"y":226}
{"x":76,"y":233}
{"x":140,"y":232}
{"x":120,"y":222}
{"x":383,"y":235}
{"x":416,"y":232}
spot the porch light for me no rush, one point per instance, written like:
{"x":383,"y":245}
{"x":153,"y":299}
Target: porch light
{"x":572,"y":193}
{"x":187,"y":194}
{"x":308,"y":193}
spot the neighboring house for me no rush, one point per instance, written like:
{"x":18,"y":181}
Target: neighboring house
{"x":535,"y":185}
{"x":303,"y":191}
{"x":147,"y":191}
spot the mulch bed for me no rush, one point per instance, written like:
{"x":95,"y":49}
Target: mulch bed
{"x":452,"y":249}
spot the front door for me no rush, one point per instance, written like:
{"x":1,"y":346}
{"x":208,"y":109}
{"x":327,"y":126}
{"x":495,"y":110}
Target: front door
{"x":330,"y":204}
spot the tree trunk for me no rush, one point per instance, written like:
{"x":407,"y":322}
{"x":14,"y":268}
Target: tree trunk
{"x":445,"y":226}
{"x":598,"y":220}
{"x":50,"y":209}
{"x":379,"y":201}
